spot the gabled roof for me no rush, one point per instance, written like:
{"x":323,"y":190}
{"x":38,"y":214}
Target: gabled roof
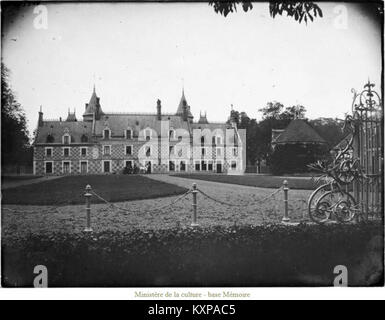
{"x":203,"y":119}
{"x":58,"y":128}
{"x":298,"y":131}
{"x":118,"y":123}
{"x":71,"y":117}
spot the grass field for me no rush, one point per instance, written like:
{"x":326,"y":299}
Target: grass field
{"x":70,"y":190}
{"x":303,"y":183}
{"x":18,"y":178}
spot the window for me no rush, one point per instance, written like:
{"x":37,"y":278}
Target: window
{"x":233,"y":165}
{"x":66,"y":139}
{"x":128,"y":134}
{"x":66,"y":152}
{"x":210,"y":166}
{"x":83,"y":152}
{"x":204,"y":166}
{"x":197,"y":166}
{"x":129,"y":164}
{"x":66,"y":167}
{"x":49,"y":167}
{"x":48,"y":152}
{"x":84,"y":138}
{"x":219,"y":152}
{"x":50,"y":138}
{"x":182,"y":166}
{"x":202,"y":140}
{"x":148,"y":134}
{"x":219,"y":140}
{"x":235,"y":152}
{"x":148,"y":151}
{"x":107,"y":150}
{"x":128,"y":150}
{"x":83,"y":167}
{"x":172,"y":134}
{"x":203,"y":151}
{"x":106,"y":166}
{"x":172,"y":166}
{"x":172,"y":150}
{"x":106,"y":133}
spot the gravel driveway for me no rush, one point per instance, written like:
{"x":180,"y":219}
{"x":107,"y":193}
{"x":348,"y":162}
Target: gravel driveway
{"x":145,"y":214}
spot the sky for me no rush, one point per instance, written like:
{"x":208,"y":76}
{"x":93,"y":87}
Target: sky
{"x":138,"y":53}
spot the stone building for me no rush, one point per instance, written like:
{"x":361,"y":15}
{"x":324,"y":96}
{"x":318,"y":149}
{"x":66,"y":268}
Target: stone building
{"x":106,"y":142}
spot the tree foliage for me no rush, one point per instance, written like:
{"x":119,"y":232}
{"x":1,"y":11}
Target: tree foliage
{"x":276,"y":116}
{"x":295,"y":158}
{"x":15,"y":147}
{"x":300,"y":11}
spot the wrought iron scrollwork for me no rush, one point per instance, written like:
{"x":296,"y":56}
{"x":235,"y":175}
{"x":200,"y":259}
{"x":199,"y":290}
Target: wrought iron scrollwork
{"x":333,"y":199}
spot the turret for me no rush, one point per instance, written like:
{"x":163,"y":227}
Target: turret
{"x":93,"y":108}
{"x":159,"y":109}
{"x":40,"y":122}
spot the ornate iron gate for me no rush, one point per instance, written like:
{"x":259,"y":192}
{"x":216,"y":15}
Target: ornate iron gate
{"x":368,"y":149}
{"x":358,"y":163}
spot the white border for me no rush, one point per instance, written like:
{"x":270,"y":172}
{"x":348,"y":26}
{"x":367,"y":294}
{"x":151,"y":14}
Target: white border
{"x":80,"y":166}
{"x":53,"y":167}
{"x":62,"y":166}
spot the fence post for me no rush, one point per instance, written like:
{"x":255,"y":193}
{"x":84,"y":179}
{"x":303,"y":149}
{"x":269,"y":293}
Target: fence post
{"x":88,"y":196}
{"x":286,"y":218}
{"x":195,"y":205}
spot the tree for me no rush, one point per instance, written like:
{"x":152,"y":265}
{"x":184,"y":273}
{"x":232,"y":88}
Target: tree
{"x":272,"y":110}
{"x":294,"y":112}
{"x":329,"y":129}
{"x":295,"y":158}
{"x":300,"y":11}
{"x":15,"y":147}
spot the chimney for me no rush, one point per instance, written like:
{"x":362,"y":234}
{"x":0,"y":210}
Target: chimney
{"x":185,"y":114}
{"x":40,"y":122}
{"x":159,"y":109}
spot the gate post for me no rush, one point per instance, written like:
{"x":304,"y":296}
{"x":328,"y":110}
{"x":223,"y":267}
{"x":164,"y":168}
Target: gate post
{"x":88,"y":196}
{"x":195,"y":205}
{"x":286,"y":218}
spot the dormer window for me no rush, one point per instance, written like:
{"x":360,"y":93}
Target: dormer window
{"x":106,"y":133}
{"x":50,"y":138}
{"x":148,"y":134}
{"x":66,"y":139}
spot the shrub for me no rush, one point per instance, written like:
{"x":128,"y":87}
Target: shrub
{"x":273,"y":255}
{"x":295,"y":158}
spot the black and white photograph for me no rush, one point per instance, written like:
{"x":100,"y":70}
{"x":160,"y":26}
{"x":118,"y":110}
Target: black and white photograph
{"x":192,"y":145}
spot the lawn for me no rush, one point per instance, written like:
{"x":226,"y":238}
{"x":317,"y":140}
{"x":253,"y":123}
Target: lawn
{"x":70,"y":190}
{"x":262,"y":181}
{"x":18,"y":178}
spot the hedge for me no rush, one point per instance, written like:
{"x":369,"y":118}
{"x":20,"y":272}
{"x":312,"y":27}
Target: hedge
{"x":272,"y":255}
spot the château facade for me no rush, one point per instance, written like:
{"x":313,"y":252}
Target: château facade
{"x":106,"y":143}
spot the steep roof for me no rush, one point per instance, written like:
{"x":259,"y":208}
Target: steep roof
{"x":183,"y":102}
{"x":71,"y":117}
{"x":298,"y":131}
{"x":137,"y":122}
{"x":203,"y":119}
{"x":94,"y":105}
{"x":57,"y":129}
